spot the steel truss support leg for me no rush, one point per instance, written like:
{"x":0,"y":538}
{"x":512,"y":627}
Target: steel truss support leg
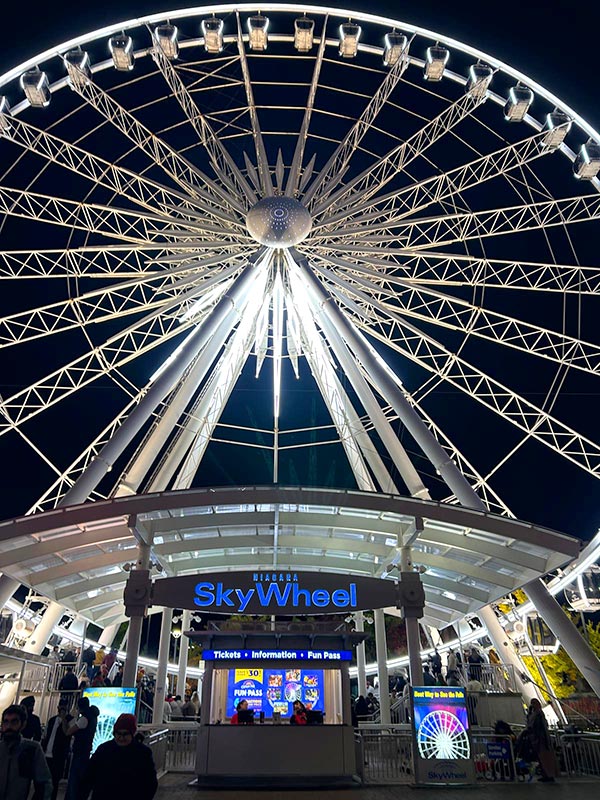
{"x":39,"y":638}
{"x":8,"y":586}
{"x":562,"y":627}
{"x":157,"y":392}
{"x":381,"y":377}
{"x":108,"y":634}
{"x":382,"y":671}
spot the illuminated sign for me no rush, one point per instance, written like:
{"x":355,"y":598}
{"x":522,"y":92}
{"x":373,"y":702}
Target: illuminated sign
{"x":111,"y":703}
{"x":269,"y":592}
{"x":275,"y":690}
{"x":442,"y":749}
{"x":257,"y":654}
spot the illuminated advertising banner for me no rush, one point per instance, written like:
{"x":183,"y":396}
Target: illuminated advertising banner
{"x":258,"y":654}
{"x":111,"y":702}
{"x":442,"y":749}
{"x":270,"y":690}
{"x":274,"y":592}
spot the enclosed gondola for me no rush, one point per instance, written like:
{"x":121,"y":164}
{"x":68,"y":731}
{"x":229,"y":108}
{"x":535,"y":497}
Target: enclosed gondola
{"x":584,"y":593}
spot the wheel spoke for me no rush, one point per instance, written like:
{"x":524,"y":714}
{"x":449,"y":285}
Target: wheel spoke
{"x":332,"y":173}
{"x":259,"y":145}
{"x":224,"y":166}
{"x":373,"y":179}
{"x":388,"y":210}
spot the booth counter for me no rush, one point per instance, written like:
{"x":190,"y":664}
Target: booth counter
{"x":270,"y":671}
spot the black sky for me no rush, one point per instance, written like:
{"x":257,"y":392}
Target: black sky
{"x":555,"y":43}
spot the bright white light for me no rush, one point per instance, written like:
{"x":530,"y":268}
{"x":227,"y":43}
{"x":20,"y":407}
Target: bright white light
{"x":205,"y":300}
{"x":277,"y":342}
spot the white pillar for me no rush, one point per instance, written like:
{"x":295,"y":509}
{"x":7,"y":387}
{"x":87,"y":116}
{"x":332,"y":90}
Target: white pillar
{"x":39,"y":638}
{"x":506,"y":651}
{"x":108,"y":634}
{"x":163,"y":660}
{"x":134,"y":630}
{"x":381,"y":649}
{"x":184,"y":644}
{"x":8,"y":586}
{"x":564,"y":630}
{"x":359,"y":624}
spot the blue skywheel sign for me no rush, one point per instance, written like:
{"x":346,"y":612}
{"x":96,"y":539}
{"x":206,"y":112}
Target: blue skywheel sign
{"x":274,"y":592}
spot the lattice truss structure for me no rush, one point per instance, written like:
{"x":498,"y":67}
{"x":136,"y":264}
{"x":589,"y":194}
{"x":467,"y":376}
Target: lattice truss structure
{"x":450,"y":242}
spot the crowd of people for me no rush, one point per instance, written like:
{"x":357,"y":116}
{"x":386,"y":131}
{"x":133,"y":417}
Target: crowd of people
{"x":121,"y":767}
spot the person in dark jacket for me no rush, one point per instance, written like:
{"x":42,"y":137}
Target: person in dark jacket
{"x":33,"y":726}
{"x":123,"y":767}
{"x":82,"y":730}
{"x":56,"y":746}
{"x":21,"y":760}
{"x":68,"y":686}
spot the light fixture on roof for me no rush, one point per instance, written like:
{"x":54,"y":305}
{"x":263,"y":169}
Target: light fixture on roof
{"x":37,"y":90}
{"x":121,"y":50}
{"x":304,"y":34}
{"x":167,"y":38}
{"x":557,"y":126}
{"x":258,"y":38}
{"x":77,"y":63}
{"x":395,"y":45}
{"x":517,"y":105}
{"x":436,"y":59}
{"x":480,"y":77}
{"x":4,"y":114}
{"x":587,"y":163}
{"x":349,"y":36}
{"x":212,"y":31}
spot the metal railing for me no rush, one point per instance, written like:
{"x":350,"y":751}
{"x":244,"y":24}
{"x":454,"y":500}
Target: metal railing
{"x":384,"y":754}
{"x":579,"y":754}
{"x":158,"y":742}
{"x":180,"y":745}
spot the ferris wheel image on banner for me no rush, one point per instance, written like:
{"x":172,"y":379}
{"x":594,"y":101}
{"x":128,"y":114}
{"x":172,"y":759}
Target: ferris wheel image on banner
{"x":442,"y":735}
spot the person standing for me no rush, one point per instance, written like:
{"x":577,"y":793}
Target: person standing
{"x":539,"y":738}
{"x":68,"y":686}
{"x":22,"y":761}
{"x":82,"y":730}
{"x":123,"y":767}
{"x":87,"y":658}
{"x":56,"y":746}
{"x":98,"y":659}
{"x":176,"y":706}
{"x":188,"y":709}
{"x":33,"y":726}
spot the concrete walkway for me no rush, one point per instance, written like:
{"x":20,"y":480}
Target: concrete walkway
{"x":175,"y":786}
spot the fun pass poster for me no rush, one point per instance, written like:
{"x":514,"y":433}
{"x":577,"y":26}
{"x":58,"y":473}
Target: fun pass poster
{"x":275,"y":690}
{"x":111,"y":701}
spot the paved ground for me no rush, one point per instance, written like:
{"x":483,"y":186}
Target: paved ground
{"x":173,"y":787}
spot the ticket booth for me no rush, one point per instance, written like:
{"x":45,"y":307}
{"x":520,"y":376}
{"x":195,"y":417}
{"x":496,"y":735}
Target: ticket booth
{"x":270,"y":670}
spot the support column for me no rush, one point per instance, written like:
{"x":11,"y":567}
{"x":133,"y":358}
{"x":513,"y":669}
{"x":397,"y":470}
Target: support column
{"x":183,"y":653}
{"x":157,"y":391}
{"x":136,"y":621}
{"x":8,"y":586}
{"x":359,"y":624}
{"x":506,"y":651}
{"x":39,"y":638}
{"x":107,"y":636}
{"x":562,"y":627}
{"x":381,"y":649}
{"x":163,"y":661}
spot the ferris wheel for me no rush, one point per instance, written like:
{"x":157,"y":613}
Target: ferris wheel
{"x":442,"y":735}
{"x":196,"y":198}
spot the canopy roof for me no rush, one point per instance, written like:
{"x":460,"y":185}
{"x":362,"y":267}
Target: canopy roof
{"x":75,"y":555}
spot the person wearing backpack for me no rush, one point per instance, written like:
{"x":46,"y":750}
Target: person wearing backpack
{"x":22,"y":760}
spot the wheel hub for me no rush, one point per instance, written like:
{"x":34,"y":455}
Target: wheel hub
{"x":278,"y":222}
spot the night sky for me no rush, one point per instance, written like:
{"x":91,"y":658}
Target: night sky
{"x":555,"y":43}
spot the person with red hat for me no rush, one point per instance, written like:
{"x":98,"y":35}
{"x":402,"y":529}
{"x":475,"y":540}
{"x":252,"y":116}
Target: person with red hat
{"x":122,"y":767}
